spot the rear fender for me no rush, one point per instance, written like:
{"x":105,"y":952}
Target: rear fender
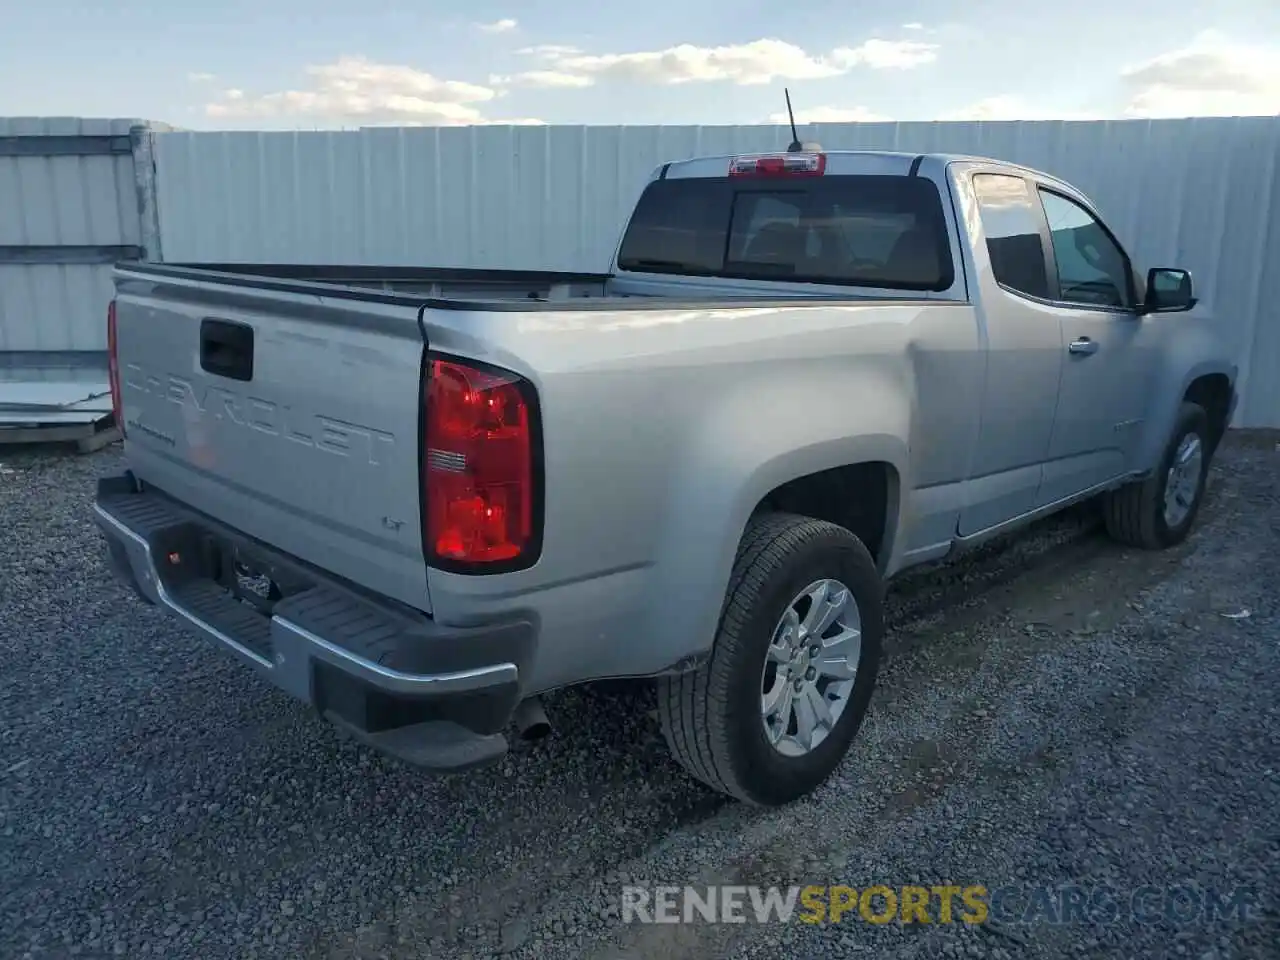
{"x":736,"y":458}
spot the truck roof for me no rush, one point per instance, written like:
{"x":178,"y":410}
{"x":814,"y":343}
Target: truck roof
{"x":844,"y":162}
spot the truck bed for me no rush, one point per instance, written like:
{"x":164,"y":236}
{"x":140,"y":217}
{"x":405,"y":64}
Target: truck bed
{"x":285,"y":401}
{"x":447,"y":288}
{"x":389,"y":284}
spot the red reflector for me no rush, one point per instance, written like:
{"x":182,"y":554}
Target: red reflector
{"x":779,"y":165}
{"x":113,"y":368}
{"x":478,"y":496}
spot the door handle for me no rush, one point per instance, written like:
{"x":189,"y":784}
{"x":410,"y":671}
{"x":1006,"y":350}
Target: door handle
{"x":1083,"y":346}
{"x":226,"y":348}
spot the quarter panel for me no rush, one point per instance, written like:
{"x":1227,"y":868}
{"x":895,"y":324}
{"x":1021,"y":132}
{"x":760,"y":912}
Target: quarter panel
{"x":664,"y":429}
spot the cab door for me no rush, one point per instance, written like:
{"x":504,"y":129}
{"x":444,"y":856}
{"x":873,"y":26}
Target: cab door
{"x":1108,"y":350}
{"x":1024,"y":351}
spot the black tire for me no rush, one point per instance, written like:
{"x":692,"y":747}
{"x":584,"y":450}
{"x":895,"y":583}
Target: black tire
{"x":711,"y":716}
{"x":1134,"y":514}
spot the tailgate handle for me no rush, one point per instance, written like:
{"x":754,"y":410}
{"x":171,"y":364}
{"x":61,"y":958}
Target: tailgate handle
{"x":226,"y":348}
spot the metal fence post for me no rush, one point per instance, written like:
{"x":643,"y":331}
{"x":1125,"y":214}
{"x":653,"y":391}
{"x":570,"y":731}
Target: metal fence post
{"x":141,"y":138}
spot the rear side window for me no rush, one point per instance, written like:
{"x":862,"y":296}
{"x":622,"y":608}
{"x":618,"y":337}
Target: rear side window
{"x":867,"y":231}
{"x":1011,"y":222}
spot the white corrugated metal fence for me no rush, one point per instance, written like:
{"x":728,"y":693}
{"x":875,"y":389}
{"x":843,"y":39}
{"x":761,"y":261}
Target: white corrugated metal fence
{"x":1198,"y":193}
{"x":69,"y":207}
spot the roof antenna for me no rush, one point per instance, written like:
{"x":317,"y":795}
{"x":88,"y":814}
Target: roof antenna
{"x":796,"y":145}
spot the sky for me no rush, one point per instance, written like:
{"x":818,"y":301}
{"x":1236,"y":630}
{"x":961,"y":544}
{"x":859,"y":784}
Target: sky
{"x":308,"y":64}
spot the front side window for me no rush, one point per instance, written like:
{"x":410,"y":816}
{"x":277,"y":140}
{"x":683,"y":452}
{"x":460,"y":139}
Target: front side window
{"x":1092,"y":269}
{"x":1012,"y":225}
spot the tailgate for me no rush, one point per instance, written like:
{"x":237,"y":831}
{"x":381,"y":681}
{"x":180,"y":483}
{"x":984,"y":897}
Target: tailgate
{"x":292,"y":418}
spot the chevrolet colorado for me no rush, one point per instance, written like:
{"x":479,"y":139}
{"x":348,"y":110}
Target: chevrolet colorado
{"x":419,"y":499}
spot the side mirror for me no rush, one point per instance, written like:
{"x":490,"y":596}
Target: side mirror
{"x":1168,"y":291}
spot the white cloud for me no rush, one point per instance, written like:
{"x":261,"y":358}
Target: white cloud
{"x":1212,"y":76}
{"x":504,"y":25}
{"x":888,"y":54}
{"x":913,"y":26}
{"x":1010,"y":107}
{"x":546,"y":79}
{"x":549,"y":50}
{"x":831,"y":115}
{"x":757,"y":62}
{"x":356,"y":91}
{"x":760,"y":61}
{"x":201,"y":77}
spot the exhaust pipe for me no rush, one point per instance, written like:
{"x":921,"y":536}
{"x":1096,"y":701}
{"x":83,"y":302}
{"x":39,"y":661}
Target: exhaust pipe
{"x":531,"y":719}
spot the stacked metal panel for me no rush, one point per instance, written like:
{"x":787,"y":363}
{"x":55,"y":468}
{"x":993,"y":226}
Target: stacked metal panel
{"x":69,"y":209}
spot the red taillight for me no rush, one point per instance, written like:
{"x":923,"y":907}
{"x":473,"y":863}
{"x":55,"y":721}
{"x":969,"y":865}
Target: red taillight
{"x":779,"y":165}
{"x":113,"y":368}
{"x":478,"y":478}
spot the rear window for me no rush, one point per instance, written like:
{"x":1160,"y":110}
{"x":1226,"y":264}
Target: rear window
{"x":865,"y":231}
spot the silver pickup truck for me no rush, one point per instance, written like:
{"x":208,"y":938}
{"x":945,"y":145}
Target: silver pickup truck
{"x":419,"y":499}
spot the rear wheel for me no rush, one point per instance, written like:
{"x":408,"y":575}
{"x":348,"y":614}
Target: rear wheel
{"x":772,"y":712}
{"x":1159,"y":512}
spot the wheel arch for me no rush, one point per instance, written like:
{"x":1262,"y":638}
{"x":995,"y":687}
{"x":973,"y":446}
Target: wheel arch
{"x":1204,"y":380}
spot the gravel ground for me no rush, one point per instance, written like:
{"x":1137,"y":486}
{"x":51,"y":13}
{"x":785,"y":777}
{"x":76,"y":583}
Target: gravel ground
{"x":1053,"y":710}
